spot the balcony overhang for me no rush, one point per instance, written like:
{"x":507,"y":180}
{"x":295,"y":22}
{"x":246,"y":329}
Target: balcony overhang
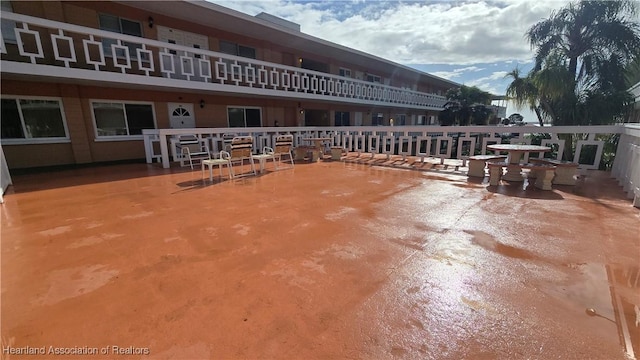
{"x":206,"y":13}
{"x":52,"y":74}
{"x":134,"y":62}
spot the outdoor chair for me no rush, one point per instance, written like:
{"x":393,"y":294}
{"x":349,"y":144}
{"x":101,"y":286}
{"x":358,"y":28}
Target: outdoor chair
{"x":283,"y":146}
{"x":241,"y":149}
{"x":226,"y":141}
{"x":192,"y":149}
{"x":267,"y":153}
{"x":224,"y":158}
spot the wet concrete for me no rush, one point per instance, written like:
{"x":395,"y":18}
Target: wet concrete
{"x":330,"y":260}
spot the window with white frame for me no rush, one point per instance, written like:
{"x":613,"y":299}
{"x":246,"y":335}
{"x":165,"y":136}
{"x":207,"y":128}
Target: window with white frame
{"x":122,"y":118}
{"x":121,"y":26}
{"x":33,"y":118}
{"x":345,"y":72}
{"x":244,"y":117}
{"x":422,"y":120}
{"x":374,"y":78}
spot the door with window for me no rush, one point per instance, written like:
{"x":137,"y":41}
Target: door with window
{"x":181,"y":116}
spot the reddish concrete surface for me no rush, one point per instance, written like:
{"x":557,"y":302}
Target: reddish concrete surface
{"x":324,"y":261}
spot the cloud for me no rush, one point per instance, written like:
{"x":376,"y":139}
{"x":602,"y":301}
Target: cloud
{"x":488,"y":83}
{"x":472,"y":42}
{"x":450,"y":75}
{"x":417,"y":32}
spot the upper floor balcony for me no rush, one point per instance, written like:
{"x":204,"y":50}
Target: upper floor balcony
{"x":56,"y":51}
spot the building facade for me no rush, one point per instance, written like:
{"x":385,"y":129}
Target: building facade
{"x":81,"y":80}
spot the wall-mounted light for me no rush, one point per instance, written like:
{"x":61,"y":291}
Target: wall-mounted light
{"x":201,"y":103}
{"x":300,"y":60}
{"x":301,"y":111}
{"x":150,"y":22}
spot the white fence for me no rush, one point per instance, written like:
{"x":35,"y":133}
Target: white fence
{"x":431,"y":141}
{"x":626,"y":166}
{"x":50,"y":48}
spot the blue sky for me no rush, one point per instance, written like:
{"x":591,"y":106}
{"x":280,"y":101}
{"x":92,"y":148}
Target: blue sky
{"x":470,"y":42}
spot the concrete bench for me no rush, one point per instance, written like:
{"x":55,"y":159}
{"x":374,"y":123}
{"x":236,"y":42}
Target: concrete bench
{"x":565,"y":170}
{"x":477,"y":163}
{"x":310,"y":152}
{"x":336,"y":152}
{"x":495,"y":171}
{"x":544,"y":174}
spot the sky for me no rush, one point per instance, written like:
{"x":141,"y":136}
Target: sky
{"x":475,"y":43}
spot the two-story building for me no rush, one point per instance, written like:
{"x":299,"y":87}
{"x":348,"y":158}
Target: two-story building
{"x":81,"y":80}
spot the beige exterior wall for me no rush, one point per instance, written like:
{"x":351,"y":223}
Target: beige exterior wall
{"x":37,"y":155}
{"x":86,"y":148}
{"x":76,"y":99}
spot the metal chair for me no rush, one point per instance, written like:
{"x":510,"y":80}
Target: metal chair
{"x":241,"y":149}
{"x":283,"y":146}
{"x":224,"y":158}
{"x":193,"y":149}
{"x":226,"y":141}
{"x":267,"y":153}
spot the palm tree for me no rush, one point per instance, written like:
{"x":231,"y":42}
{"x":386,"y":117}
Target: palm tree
{"x":587,"y":33}
{"x":523,"y":92}
{"x":582,"y":51}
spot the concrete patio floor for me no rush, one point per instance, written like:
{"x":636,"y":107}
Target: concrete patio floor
{"x":330,"y":260}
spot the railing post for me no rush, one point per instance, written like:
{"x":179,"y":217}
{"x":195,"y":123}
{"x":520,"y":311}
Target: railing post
{"x":164,"y":150}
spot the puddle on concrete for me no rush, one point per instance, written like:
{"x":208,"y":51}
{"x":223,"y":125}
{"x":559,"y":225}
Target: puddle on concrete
{"x":68,"y":283}
{"x":55,"y":231}
{"x":241,"y":229}
{"x":488,"y":242}
{"x":93,"y":240}
{"x":340,"y":213}
{"x":610,"y":294}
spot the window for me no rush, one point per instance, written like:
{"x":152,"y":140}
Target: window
{"x":237,"y":50}
{"x":373,"y":78}
{"x":33,"y":119}
{"x":120,"y":26}
{"x":8,"y":26}
{"x":377,"y":119}
{"x":244,"y":117}
{"x":122,"y":119}
{"x":344,"y":72}
{"x":422,"y":120}
{"x":172,"y":52}
{"x":197,"y":56}
{"x":342,"y":118}
{"x":401,"y":119}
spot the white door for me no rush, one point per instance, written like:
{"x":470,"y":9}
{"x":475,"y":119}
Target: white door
{"x":181,"y":116}
{"x":357,"y":121}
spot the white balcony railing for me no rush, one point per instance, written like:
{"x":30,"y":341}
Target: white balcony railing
{"x":50,"y":48}
{"x":435,"y":142}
